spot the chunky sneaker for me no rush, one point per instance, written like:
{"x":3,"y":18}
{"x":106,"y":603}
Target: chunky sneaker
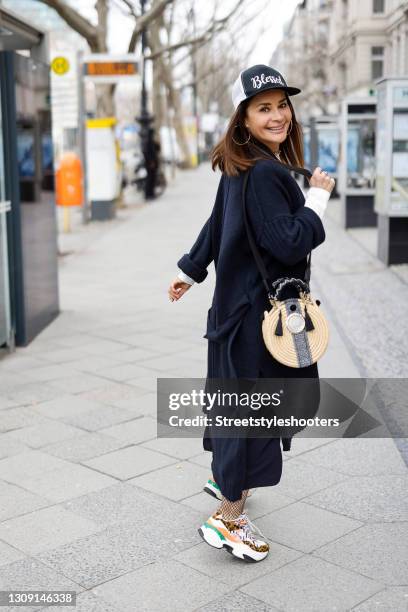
{"x":236,"y":536}
{"x":214,"y":490}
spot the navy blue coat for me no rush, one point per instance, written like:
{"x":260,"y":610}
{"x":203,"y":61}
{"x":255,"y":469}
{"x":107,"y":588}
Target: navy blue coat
{"x":286,"y":231}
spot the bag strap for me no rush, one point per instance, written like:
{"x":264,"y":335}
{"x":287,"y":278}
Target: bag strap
{"x":269,"y":286}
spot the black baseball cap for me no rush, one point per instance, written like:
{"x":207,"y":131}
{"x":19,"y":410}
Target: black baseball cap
{"x":256,"y":79}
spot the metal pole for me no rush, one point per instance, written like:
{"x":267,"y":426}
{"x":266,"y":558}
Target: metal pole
{"x":82,"y":135}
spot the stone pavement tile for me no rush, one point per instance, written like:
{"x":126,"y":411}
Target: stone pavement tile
{"x":18,"y":362}
{"x":204,"y":459}
{"x":85,"y":602}
{"x":32,"y":393}
{"x":94,"y":363}
{"x":31,"y":575}
{"x":97,"y":346}
{"x":302,"y":445}
{"x":182,"y":448}
{"x":16,"y":501}
{"x":112,"y":392}
{"x":236,"y":602}
{"x":47,"y":372}
{"x":174,"y":481}
{"x":312,"y":585}
{"x":378,"y":551}
{"x":122,"y":502}
{"x":395,"y":599}
{"x":164,"y":585}
{"x":367,"y":498}
{"x":187,"y":369}
{"x":45,"y":433}
{"x":45,"y":529}
{"x":129,"y":462}
{"x":127,"y":371}
{"x":99,"y":418}
{"x":64,"y":355}
{"x":77,"y":383}
{"x":15,"y":418}
{"x":10,"y":446}
{"x":358,"y":457}
{"x":220,"y":565}
{"x":10,"y":381}
{"x":305,"y":527}
{"x":138,"y":430}
{"x":167,"y":362}
{"x":78,"y":340}
{"x":145,"y":404}
{"x":126,"y":546}
{"x":265,"y":500}
{"x":136,"y":354}
{"x":65,"y":406}
{"x":204,"y":503}
{"x":9,"y":554}
{"x":28,"y":465}
{"x":300,"y":479}
{"x":6,"y":403}
{"x":148,"y":383}
{"x":66,"y":483}
{"x":83,"y":447}
{"x":158,"y":343}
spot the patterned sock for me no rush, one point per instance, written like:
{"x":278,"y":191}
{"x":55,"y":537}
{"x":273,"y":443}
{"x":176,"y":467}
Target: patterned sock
{"x":231,"y":510}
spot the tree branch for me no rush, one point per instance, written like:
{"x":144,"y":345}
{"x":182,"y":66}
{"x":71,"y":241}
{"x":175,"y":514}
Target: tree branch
{"x":75,"y":21}
{"x":144,"y":21}
{"x":216,"y":26}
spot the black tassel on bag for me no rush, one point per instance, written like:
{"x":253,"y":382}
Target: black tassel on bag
{"x":308,"y":321}
{"x":279,"y":330}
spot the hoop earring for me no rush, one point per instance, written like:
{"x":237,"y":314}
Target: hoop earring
{"x":291,"y":126}
{"x":241,"y":144}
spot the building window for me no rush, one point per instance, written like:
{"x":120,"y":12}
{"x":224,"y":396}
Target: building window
{"x":377,"y":62}
{"x":378,"y":6}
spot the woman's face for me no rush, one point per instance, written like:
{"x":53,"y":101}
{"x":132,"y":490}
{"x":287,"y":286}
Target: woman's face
{"x":268,"y":117}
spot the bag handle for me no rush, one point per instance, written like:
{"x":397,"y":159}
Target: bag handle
{"x":269,"y":286}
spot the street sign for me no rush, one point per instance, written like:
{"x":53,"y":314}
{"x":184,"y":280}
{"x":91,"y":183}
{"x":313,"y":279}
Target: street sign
{"x":60,"y":65}
{"x":105,"y":68}
{"x":111,"y":68}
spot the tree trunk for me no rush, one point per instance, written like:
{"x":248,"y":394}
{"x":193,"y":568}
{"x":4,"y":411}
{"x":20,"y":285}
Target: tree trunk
{"x":164,"y":72}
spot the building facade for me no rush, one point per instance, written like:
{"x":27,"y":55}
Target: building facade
{"x":334,"y":48}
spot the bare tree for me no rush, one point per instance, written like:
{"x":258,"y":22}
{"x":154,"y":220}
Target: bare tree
{"x":96,"y":36}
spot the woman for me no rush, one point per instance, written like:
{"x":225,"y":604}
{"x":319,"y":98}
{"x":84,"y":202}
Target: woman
{"x":263,"y":136}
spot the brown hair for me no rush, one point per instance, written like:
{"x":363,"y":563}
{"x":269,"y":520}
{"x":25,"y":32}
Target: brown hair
{"x":231,"y":158}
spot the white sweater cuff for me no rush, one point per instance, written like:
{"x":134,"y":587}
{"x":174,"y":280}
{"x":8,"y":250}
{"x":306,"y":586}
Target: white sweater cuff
{"x":185,"y":278}
{"x":317,"y":199}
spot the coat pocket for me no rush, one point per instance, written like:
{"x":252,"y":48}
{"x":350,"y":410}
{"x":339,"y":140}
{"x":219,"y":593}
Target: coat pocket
{"x":218,"y":331}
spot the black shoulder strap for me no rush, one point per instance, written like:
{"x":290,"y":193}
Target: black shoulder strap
{"x":252,"y":243}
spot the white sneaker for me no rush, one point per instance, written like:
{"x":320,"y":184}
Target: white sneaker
{"x":236,"y":536}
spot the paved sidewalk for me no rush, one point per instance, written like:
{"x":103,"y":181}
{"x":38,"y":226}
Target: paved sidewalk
{"x":92,"y":501}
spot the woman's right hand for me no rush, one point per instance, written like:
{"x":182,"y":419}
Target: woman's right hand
{"x":177,"y":289}
{"x":321,"y":179}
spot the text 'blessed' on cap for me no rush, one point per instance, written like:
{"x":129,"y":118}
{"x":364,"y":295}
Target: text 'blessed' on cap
{"x":256,"y":79}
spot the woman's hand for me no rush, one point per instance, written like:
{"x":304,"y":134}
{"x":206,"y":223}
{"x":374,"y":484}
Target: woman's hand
{"x":177,"y":289}
{"x":321,"y":179}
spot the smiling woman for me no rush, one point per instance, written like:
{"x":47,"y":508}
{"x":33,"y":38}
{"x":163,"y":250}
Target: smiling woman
{"x":263,"y":138}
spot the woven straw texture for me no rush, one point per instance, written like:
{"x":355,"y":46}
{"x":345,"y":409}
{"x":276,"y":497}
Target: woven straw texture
{"x":283,"y":348}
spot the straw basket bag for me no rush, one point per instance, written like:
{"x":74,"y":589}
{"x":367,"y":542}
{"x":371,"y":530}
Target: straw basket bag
{"x":295,"y":330}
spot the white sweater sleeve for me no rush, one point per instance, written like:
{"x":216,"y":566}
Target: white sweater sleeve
{"x":317,"y":199}
{"x":185,"y":278}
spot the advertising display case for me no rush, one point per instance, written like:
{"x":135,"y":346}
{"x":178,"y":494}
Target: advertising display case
{"x":321,"y":139}
{"x":357,"y":163}
{"x":391,"y":196}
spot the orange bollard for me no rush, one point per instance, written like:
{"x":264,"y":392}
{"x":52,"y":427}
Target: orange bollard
{"x":69,"y":181}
